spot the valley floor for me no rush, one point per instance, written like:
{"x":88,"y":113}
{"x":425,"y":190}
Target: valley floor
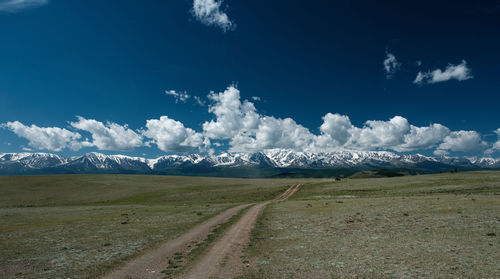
{"x":83,"y":226}
{"x":436,"y":226}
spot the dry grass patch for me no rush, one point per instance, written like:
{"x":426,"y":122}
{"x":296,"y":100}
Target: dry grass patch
{"x":399,"y":233}
{"x":80,"y":226}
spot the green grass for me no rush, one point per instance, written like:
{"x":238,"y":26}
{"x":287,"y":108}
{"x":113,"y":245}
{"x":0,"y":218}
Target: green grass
{"x":457,"y":183}
{"x":63,"y":190}
{"x":431,"y":226}
{"x":80,"y":226}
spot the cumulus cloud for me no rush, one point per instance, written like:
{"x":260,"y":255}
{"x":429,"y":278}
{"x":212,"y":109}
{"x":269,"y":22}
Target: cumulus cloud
{"x":178,"y":96}
{"x":109,"y":136}
{"x":238,"y":127}
{"x":462,"y":141}
{"x":209,"y":12}
{"x":496,"y":145}
{"x":171,"y":136}
{"x":458,"y":72}
{"x":391,"y":65}
{"x":337,"y":127}
{"x":397,"y":134}
{"x":377,"y":134}
{"x":19,"y":5}
{"x":46,"y":138}
{"x":249,"y":131}
{"x":232,"y":115}
{"x":273,"y":133}
{"x":423,"y":137}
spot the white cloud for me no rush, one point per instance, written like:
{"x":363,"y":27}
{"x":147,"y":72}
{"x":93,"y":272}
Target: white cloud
{"x":459,"y":72}
{"x":440,"y":152}
{"x":232,"y":116}
{"x":423,"y":137}
{"x":18,"y":5}
{"x":238,"y":126}
{"x":109,"y":136}
{"x":171,"y":136}
{"x":378,"y":134}
{"x":209,"y":13}
{"x":496,"y":145}
{"x":248,"y":131}
{"x":199,"y":101}
{"x":420,"y":78}
{"x":463,"y":141}
{"x":273,"y":133}
{"x":397,"y":134}
{"x":183,"y":97}
{"x":46,"y":138}
{"x":391,"y":65}
{"x":337,"y":127}
{"x":256,"y":98}
{"x":179,"y":96}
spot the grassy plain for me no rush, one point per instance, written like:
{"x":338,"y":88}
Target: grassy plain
{"x":429,"y":226}
{"x":80,"y":226}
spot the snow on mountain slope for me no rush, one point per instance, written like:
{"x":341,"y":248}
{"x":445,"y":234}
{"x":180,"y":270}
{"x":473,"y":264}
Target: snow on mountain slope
{"x":32,"y":160}
{"x":274,"y":158}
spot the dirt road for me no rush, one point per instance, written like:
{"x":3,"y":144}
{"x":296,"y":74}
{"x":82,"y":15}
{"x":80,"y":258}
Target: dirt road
{"x":223,"y":260}
{"x":152,"y":263}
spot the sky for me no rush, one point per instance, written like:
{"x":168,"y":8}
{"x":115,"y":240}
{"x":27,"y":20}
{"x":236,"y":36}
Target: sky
{"x":148,"y":78}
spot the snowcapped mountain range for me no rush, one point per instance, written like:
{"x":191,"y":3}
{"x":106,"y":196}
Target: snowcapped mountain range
{"x":41,"y":163}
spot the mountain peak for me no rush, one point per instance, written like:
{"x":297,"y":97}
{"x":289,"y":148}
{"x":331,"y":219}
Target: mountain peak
{"x":94,"y":162}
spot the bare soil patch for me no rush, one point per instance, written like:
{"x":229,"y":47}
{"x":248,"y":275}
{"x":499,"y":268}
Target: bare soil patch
{"x":224,"y":259}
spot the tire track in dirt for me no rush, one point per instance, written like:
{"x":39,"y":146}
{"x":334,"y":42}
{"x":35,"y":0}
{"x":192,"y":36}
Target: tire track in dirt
{"x":150,"y":264}
{"x":223,"y":260}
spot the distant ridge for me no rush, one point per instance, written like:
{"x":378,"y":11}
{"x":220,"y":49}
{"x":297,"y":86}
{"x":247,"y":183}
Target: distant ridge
{"x":234,"y":164}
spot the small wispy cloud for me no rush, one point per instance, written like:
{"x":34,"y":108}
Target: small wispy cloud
{"x":184,"y":97}
{"x":19,"y":5}
{"x":458,"y":72}
{"x":391,"y":65}
{"x":199,"y":101}
{"x":209,"y":13}
{"x":178,"y":96}
{"x":256,"y":98}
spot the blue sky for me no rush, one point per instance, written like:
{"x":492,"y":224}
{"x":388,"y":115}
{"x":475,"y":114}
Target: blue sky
{"x":135,"y":77}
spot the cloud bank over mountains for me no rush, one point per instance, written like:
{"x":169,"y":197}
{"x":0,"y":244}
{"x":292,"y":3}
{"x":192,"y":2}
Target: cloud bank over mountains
{"x":47,"y":138}
{"x":237,"y":124}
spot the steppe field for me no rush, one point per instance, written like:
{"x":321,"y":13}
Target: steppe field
{"x":87,"y":226}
